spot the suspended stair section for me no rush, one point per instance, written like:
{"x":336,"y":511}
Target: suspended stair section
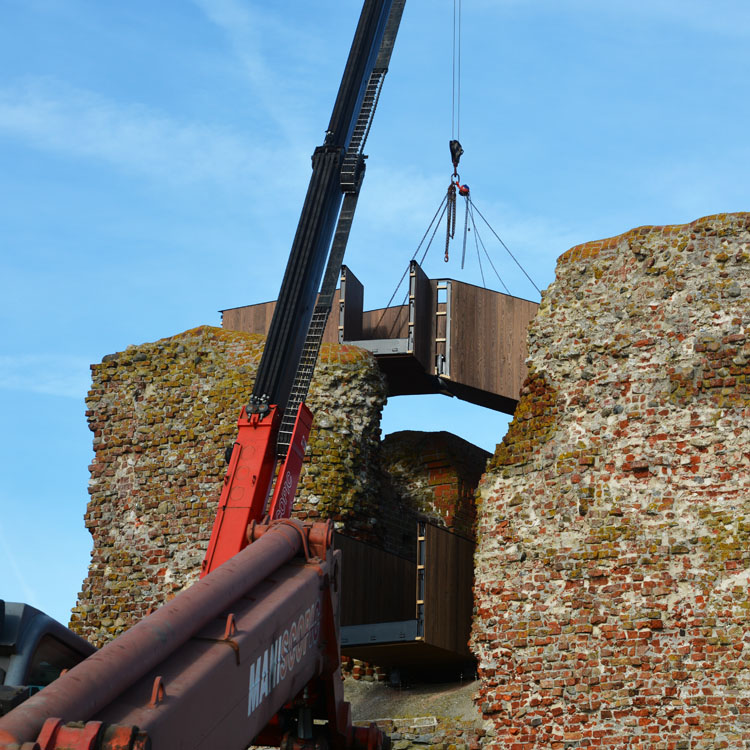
{"x":450,"y":337}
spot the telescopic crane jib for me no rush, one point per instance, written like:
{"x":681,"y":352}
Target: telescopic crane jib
{"x":251,"y":652}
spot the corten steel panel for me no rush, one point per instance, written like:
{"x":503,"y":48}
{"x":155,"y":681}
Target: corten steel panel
{"x":376,"y":586}
{"x":485,"y":354}
{"x":331,"y":333}
{"x":257,"y":319}
{"x":448,"y":603}
{"x":351,"y":304}
{"x":488,"y":339}
{"x":423,"y":345}
{"x":386,"y":323}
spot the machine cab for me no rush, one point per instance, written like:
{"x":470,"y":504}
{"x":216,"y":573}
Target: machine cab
{"x":34,"y":650}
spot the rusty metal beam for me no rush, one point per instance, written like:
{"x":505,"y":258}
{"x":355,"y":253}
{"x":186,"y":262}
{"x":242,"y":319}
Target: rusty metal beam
{"x":90,"y":686}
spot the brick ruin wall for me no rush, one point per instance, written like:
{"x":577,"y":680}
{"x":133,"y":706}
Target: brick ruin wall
{"x":435,"y":473}
{"x":613,"y":564}
{"x":162,"y":415}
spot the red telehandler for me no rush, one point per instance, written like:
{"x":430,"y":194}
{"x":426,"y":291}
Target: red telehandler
{"x":250,"y":653}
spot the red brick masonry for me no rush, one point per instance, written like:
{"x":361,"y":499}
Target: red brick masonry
{"x":613,"y":567}
{"x":162,"y":415}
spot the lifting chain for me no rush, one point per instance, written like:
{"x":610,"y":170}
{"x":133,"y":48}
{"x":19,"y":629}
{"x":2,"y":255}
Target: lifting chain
{"x":450,"y":226}
{"x":450,"y":229}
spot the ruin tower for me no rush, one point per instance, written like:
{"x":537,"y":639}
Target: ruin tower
{"x":613,"y":566}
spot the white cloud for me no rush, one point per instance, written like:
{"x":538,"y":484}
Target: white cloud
{"x":53,"y":375}
{"x":53,"y":116}
{"x":248,"y":31}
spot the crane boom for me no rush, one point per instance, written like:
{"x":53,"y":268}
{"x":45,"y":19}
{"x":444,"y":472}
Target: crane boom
{"x":312,"y":241}
{"x":338,"y":168}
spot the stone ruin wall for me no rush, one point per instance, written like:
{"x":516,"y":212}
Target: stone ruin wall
{"x":613,"y":562}
{"x":437,"y":474}
{"x":162,"y":415}
{"x":612,"y":569}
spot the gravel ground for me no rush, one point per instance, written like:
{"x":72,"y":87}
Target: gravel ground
{"x":376,"y":700}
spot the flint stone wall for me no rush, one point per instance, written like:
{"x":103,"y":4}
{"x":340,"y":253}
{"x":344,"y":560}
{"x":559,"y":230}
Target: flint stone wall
{"x":434,"y":475}
{"x":162,"y":415}
{"x":613,"y":564}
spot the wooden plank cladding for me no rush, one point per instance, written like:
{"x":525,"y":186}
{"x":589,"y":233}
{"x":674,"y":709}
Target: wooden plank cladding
{"x":375,"y":586}
{"x":488,"y":339}
{"x":385,"y":323}
{"x":448,"y":581}
{"x":257,"y":319}
{"x":250,"y":318}
{"x":399,"y":613}
{"x":450,"y":337}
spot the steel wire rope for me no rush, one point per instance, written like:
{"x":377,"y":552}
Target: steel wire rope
{"x":466,"y":232}
{"x":458,"y":108}
{"x":445,"y":204}
{"x":507,"y":249}
{"x":481,"y":270}
{"x":456,"y":72}
{"x":434,"y":232}
{"x":477,"y":240}
{"x":437,"y":216}
{"x":478,"y":237}
{"x":421,"y":262}
{"x":453,"y":75}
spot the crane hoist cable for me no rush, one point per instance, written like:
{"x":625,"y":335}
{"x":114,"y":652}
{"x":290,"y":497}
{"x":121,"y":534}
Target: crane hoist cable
{"x":455,"y":185}
{"x":455,"y":145}
{"x":448,"y":205}
{"x":470,"y":225}
{"x":456,"y":73}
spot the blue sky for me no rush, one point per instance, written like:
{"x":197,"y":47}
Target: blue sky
{"x":155,"y":156}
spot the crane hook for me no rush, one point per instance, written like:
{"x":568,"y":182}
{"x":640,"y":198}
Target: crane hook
{"x":456,"y":153}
